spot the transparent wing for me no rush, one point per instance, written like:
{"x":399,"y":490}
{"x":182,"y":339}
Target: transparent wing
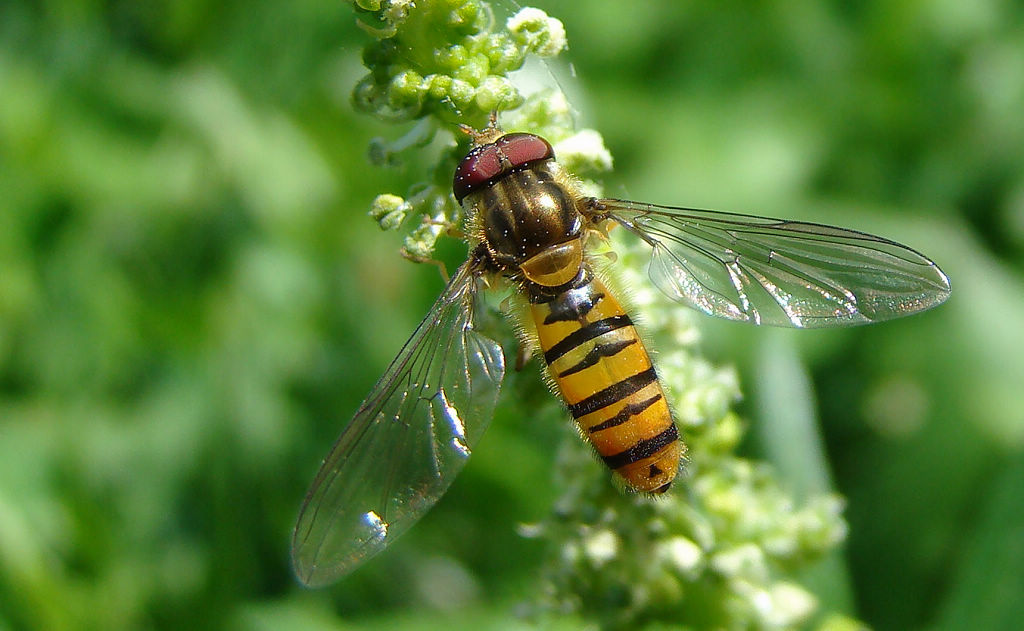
{"x":406,"y":442}
{"x":772,"y":271}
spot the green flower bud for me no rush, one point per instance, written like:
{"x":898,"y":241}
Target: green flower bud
{"x":389,"y":211}
{"x":539,"y":33}
{"x":497,"y":93}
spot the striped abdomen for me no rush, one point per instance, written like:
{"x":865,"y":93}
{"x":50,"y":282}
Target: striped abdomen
{"x":609,"y":383}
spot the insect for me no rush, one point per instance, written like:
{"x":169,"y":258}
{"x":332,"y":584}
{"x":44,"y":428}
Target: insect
{"x":528,"y":224}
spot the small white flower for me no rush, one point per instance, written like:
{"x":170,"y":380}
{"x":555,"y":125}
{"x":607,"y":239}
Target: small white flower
{"x":790,"y":604}
{"x":682,"y":553}
{"x":584,"y":149}
{"x":544,"y":35}
{"x":745,"y":561}
{"x":601,"y":547}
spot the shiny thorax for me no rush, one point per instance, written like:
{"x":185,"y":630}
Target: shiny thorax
{"x":528,"y":219}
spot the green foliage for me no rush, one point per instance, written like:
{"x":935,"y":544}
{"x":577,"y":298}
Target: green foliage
{"x":192,"y":303}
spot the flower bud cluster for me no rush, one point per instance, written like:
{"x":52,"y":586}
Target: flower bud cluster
{"x":446,"y":58}
{"x":442,"y":62}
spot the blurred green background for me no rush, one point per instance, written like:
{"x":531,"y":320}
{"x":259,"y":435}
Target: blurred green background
{"x":192,"y":301}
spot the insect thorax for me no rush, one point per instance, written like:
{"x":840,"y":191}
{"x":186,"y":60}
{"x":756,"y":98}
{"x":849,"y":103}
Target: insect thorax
{"x":529,"y":221}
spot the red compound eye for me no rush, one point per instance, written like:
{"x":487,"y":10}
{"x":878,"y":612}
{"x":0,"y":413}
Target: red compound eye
{"x":521,"y":149}
{"x":483,"y":165}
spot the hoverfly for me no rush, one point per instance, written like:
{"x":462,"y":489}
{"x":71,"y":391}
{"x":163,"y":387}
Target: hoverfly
{"x":528,"y":224}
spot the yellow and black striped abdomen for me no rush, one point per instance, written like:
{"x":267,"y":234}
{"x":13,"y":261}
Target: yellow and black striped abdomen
{"x":608,"y":381}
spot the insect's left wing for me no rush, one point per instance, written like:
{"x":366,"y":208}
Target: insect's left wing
{"x":778,"y":272}
{"x":403,"y":447}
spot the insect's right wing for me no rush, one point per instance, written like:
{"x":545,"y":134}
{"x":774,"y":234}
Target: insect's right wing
{"x":406,"y":442}
{"x":775,"y":271}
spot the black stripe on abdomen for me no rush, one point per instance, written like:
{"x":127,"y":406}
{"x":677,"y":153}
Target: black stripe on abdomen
{"x":613,"y":393}
{"x":595,"y":355}
{"x":585,"y":334}
{"x":627,"y":412}
{"x":643,"y":449}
